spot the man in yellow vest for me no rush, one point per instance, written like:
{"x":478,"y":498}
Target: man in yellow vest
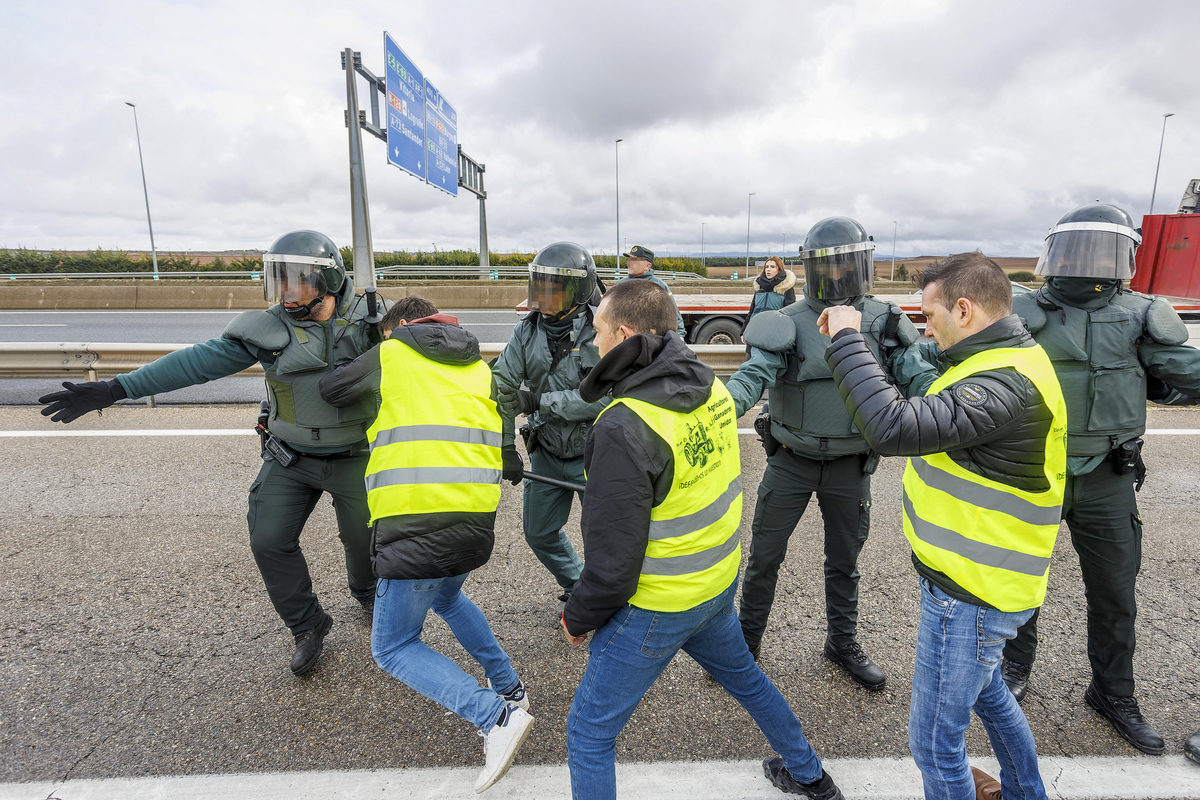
{"x":660,"y":526}
{"x":983,"y":493}
{"x":433,"y":486}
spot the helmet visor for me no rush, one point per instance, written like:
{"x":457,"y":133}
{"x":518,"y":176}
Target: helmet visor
{"x":835,"y":273}
{"x":1089,"y":253}
{"x":292,"y":279}
{"x":553,"y":290}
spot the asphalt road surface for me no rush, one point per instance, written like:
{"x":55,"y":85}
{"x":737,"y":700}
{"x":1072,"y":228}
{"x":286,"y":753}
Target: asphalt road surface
{"x":172,"y":327}
{"x":136,"y":637}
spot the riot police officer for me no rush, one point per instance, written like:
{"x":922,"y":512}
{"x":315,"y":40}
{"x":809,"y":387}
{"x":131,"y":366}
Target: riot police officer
{"x":316,"y":324}
{"x":538,"y":374}
{"x":812,"y":444}
{"x":1103,"y":341}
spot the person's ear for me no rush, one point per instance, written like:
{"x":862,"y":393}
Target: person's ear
{"x":625,"y":332}
{"x":964,"y":309}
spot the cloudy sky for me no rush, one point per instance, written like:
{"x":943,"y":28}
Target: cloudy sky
{"x":970,"y":124}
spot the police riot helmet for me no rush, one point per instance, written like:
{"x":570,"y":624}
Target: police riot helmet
{"x":561,"y":276}
{"x":300,"y":269}
{"x":839,"y":259}
{"x":1093,"y":241}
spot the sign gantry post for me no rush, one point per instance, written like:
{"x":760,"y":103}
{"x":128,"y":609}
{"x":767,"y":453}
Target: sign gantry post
{"x":470,"y":177}
{"x":360,"y":210}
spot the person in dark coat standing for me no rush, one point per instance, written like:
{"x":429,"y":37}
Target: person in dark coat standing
{"x":433,"y":486}
{"x":773,"y":289}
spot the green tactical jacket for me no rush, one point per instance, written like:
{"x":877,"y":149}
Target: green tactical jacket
{"x":294,"y":355}
{"x":807,"y":412}
{"x":563,"y":419}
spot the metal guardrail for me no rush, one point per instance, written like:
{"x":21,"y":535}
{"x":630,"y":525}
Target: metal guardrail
{"x":400,"y":271}
{"x":96,"y":361}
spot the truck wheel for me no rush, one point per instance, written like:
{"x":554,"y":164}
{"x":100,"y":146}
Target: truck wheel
{"x":719,"y":331}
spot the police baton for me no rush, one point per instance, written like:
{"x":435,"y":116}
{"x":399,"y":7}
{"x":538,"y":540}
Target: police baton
{"x":571,"y":487}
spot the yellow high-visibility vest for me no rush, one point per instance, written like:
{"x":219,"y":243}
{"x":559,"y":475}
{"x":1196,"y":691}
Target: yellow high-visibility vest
{"x":990,"y":538}
{"x":694,"y":550}
{"x":435,"y":445}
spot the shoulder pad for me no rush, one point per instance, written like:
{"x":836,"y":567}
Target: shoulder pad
{"x":771,"y":330}
{"x":1034,"y":316}
{"x":906,"y":332}
{"x":874,"y":306}
{"x":262,"y":329}
{"x":1163,"y":323}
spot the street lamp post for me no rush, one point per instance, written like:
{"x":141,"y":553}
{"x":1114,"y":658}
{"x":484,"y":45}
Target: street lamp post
{"x":617,"y":163}
{"x":894,"y":228}
{"x":145,"y":192}
{"x":748,"y":201}
{"x":1159,"y":164}
{"x":702,"y":243}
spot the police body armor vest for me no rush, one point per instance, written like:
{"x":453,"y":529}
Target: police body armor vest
{"x":808,"y":414}
{"x":1095,"y":354}
{"x":295,"y":356}
{"x":694,"y":550}
{"x":435,"y":450}
{"x":990,"y":538}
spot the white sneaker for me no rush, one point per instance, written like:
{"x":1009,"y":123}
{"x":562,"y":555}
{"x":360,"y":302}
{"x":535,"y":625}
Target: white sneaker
{"x":500,"y":746}
{"x":517,"y":696}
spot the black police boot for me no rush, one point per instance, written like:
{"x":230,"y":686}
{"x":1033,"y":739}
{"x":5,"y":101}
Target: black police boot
{"x":1127,"y":719}
{"x":851,"y":658}
{"x":1191,"y":748}
{"x":368,"y":603}
{"x":778,"y":775}
{"x":562,"y":605}
{"x":1016,"y":677}
{"x":309,"y":644}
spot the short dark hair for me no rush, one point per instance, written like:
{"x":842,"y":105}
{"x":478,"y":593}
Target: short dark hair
{"x":973,"y":276}
{"x":408,"y":309}
{"x":640,"y":305}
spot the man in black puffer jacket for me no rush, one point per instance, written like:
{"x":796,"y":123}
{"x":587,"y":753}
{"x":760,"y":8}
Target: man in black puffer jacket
{"x":983,"y":493}
{"x":433,"y":486}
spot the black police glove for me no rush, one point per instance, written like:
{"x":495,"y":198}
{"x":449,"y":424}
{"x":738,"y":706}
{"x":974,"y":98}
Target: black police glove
{"x":512,"y":467}
{"x":528,"y":402}
{"x":80,"y":398}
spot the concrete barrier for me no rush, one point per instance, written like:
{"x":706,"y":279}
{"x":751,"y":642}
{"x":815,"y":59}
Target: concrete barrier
{"x":180,"y":294}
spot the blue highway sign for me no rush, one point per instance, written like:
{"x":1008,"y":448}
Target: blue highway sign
{"x":441,"y":133}
{"x":405,"y":112}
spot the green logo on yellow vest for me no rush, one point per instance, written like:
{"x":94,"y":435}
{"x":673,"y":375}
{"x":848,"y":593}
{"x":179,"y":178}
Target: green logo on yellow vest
{"x":698,"y":446}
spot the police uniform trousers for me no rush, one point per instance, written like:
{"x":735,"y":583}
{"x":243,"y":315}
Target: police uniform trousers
{"x":844,"y":496}
{"x":1100,"y":509}
{"x":546,"y":511}
{"x":281,"y":500}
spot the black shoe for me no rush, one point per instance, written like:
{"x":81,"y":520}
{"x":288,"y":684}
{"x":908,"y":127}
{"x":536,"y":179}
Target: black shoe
{"x":562,"y":604}
{"x":1016,"y":677}
{"x":1191,"y":748}
{"x":1127,"y":719}
{"x":777,"y":774}
{"x":851,"y":658}
{"x":368,"y":604}
{"x":309,"y":644}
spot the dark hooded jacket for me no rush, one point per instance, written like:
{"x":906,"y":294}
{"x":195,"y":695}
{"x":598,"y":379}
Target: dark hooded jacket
{"x":1001,"y":438}
{"x":415,"y":546}
{"x":630,"y":468}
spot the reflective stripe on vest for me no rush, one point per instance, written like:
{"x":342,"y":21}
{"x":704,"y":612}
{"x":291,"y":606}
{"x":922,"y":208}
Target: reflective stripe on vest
{"x":435,"y":445}
{"x":991,"y":539}
{"x":694,"y":550}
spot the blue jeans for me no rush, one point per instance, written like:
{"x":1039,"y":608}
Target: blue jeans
{"x":627,"y":655}
{"x":959,"y":646}
{"x":400,"y":610}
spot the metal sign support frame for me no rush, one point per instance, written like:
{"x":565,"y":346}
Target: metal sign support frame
{"x":470,"y":177}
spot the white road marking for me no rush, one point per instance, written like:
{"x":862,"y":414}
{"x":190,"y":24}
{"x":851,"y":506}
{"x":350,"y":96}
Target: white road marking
{"x":892,"y":778}
{"x":250,"y":432}
{"x":30,"y":325}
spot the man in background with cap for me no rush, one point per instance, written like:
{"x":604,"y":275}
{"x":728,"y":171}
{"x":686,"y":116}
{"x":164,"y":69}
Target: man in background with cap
{"x":640,"y":264}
